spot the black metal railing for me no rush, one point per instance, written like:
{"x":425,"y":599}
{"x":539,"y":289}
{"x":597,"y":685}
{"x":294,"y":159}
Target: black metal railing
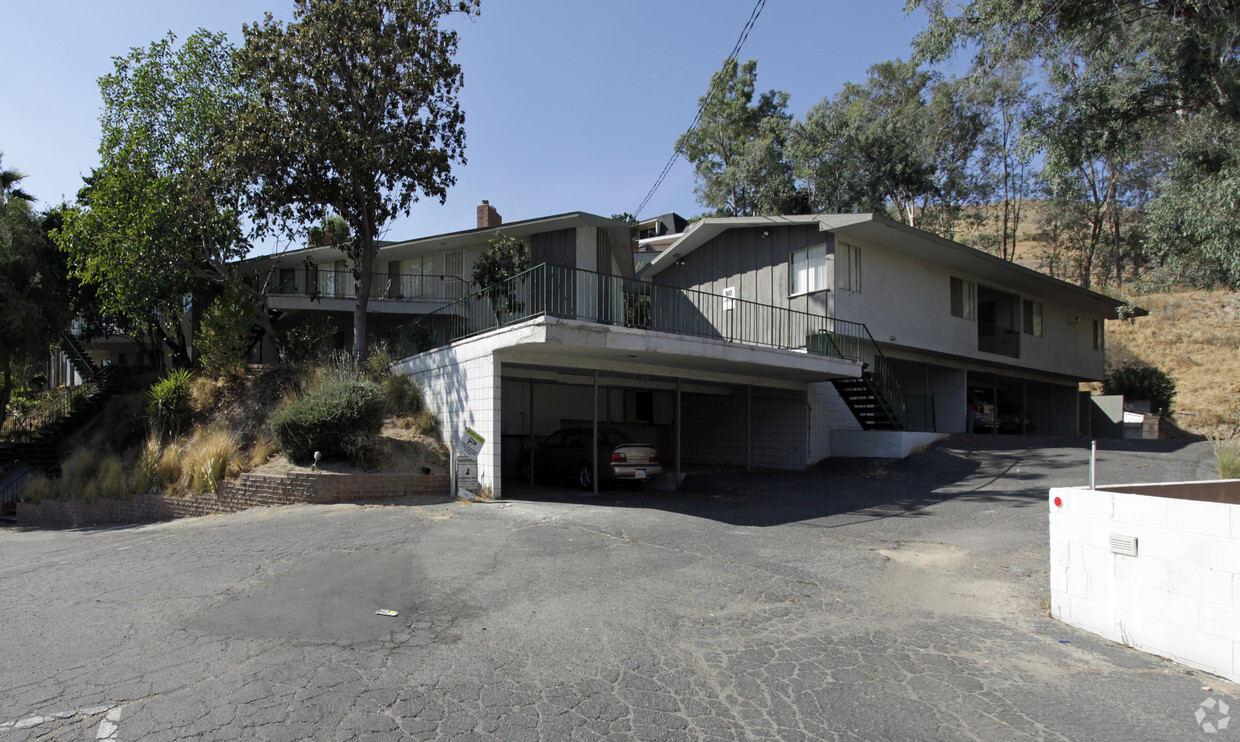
{"x":334,"y":284}
{"x":1004,"y":341}
{"x":27,"y":426}
{"x":10,"y":492}
{"x":557,"y":291}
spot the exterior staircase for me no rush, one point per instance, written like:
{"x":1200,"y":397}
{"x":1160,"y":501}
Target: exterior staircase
{"x":78,"y":357}
{"x":875,"y":399}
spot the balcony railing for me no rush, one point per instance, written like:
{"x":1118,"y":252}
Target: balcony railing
{"x":571,"y":293}
{"x":334,"y":284}
{"x":1004,"y":341}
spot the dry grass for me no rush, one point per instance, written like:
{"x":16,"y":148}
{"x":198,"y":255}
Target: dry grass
{"x":424,"y":423}
{"x":110,"y":481}
{"x":262,"y":450}
{"x":210,"y":456}
{"x":1195,"y":337}
{"x":77,"y":475}
{"x":204,"y":393}
{"x":1227,"y":454}
{"x":38,"y":489}
{"x":168,"y":466}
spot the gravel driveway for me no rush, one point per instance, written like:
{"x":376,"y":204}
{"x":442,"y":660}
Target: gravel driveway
{"x":864,"y":600}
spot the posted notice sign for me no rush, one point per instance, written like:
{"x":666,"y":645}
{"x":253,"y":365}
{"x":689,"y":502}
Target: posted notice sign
{"x":471,"y":443}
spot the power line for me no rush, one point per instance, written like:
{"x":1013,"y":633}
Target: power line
{"x":736,"y":50}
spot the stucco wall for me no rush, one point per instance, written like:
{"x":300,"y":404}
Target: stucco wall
{"x":1179,"y":597}
{"x":906,"y":302}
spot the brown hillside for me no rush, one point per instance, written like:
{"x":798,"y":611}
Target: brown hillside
{"x":1195,"y":337}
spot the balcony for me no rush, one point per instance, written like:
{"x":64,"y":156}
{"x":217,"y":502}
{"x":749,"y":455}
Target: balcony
{"x":585,"y":296}
{"x":334,"y":284}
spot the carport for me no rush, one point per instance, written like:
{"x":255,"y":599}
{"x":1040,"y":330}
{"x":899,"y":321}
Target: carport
{"x":690,"y":420}
{"x":703,"y":399}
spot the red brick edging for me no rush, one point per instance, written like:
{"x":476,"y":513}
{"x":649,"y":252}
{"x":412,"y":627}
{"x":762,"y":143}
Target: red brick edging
{"x":250,"y":490}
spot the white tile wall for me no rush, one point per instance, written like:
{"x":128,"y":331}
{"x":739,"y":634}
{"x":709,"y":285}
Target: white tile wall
{"x":1179,"y":597}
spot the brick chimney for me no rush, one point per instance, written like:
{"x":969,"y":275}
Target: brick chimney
{"x":488,"y":216}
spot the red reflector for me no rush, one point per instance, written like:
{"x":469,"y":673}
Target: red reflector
{"x":1058,"y":502}
{"x":618,"y":457}
{"x":654,"y":457}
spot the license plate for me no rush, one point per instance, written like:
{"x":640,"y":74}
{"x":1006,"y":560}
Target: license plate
{"x":639,"y":473}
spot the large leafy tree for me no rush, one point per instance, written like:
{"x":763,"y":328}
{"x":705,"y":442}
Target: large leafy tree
{"x":32,"y":304}
{"x":873,"y":146}
{"x":736,"y":146}
{"x":1127,"y":76}
{"x":161,"y":215}
{"x":355,"y":112}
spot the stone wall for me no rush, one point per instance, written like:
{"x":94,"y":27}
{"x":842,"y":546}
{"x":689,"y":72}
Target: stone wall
{"x":250,"y":490}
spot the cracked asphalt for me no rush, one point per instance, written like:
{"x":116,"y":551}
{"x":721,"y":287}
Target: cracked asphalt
{"x":865,"y":600}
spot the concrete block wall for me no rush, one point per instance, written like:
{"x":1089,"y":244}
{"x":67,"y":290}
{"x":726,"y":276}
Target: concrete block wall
{"x":462,"y":384}
{"x":1179,"y":597}
{"x":248,"y":491}
{"x":715,"y":431}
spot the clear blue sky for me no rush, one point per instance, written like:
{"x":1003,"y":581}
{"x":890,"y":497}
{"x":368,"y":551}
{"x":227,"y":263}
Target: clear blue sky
{"x":570,"y":104}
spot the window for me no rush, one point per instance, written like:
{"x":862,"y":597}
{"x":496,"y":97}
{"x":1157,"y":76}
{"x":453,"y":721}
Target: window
{"x":807,"y":270}
{"x":1098,"y":334}
{"x":964,"y":298}
{"x":848,"y":268}
{"x":1033,"y":317}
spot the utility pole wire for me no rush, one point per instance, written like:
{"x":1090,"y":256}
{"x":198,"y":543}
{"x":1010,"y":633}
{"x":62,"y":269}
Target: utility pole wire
{"x":736,"y":50}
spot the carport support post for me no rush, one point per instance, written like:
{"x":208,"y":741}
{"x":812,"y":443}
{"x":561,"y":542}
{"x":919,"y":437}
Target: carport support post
{"x":531,"y":423}
{"x":677,"y":485}
{"x":748,"y":427}
{"x":594,"y":419}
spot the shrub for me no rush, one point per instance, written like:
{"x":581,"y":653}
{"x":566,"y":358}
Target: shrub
{"x":329,"y":416}
{"x":378,"y":360}
{"x":1142,"y":382}
{"x":403,"y":396}
{"x":168,"y":407}
{"x":224,"y":334}
{"x":309,"y":342}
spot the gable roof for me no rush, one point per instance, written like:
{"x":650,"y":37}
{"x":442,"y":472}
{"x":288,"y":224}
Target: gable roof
{"x":900,"y":238}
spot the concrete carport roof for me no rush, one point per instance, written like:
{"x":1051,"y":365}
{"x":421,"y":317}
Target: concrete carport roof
{"x":578,"y":347}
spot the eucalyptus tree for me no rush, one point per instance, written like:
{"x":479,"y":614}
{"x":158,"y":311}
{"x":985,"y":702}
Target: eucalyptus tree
{"x":354,"y":112}
{"x":736,"y":146}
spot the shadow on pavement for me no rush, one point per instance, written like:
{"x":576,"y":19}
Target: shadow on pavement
{"x":979,"y":468}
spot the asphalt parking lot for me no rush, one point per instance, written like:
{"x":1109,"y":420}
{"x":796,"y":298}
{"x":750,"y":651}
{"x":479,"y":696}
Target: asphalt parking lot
{"x":864,"y":600}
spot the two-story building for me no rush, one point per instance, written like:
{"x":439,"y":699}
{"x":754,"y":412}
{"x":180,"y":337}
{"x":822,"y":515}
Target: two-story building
{"x":762,"y":342}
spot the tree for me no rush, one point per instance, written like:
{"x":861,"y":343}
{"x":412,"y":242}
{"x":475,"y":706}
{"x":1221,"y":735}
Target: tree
{"x":1145,"y":75}
{"x":161,"y":216}
{"x":8,"y":185}
{"x":32,"y":304}
{"x":866,"y":149}
{"x":355,"y":112}
{"x":505,"y":258}
{"x":736,"y":146}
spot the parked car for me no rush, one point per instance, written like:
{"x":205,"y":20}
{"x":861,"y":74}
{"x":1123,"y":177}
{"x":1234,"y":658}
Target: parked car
{"x":1012,"y":419}
{"x":565,"y":456}
{"x":982,"y":412}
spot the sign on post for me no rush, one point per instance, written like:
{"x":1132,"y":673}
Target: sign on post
{"x":471,"y":443}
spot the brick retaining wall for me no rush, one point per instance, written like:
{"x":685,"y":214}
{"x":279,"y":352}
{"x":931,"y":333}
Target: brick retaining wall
{"x":250,"y":490}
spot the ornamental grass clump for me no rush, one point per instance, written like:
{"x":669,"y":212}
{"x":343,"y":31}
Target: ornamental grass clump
{"x":332,"y":419}
{"x":168,"y":407}
{"x":210,"y":456}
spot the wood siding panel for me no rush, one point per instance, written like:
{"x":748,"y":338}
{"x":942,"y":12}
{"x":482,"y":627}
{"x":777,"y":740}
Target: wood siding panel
{"x":557,"y":248}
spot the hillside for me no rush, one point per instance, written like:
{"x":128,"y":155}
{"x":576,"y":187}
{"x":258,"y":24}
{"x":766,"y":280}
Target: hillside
{"x":1195,"y":337}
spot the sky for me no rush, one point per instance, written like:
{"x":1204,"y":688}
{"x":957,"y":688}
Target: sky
{"x":571,"y":105}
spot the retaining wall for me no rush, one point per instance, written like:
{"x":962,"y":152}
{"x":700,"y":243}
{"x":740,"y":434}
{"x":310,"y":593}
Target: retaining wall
{"x":250,"y":490}
{"x":1156,"y":567}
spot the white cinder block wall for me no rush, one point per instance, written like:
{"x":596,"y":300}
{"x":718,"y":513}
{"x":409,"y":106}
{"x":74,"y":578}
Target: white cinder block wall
{"x":464,"y":392}
{"x":1179,"y":597}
